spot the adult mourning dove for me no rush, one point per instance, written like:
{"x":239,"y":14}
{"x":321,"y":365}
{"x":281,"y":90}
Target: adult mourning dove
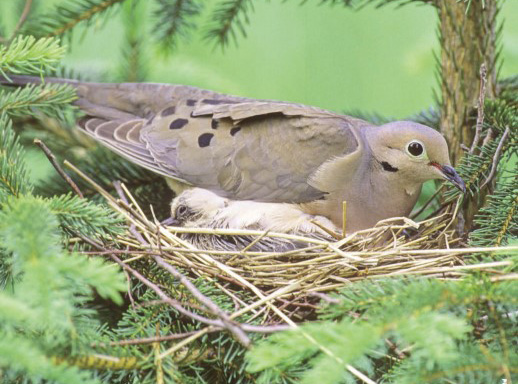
{"x":265,"y":151}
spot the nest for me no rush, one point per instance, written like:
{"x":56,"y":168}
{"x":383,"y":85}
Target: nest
{"x":286,"y":286}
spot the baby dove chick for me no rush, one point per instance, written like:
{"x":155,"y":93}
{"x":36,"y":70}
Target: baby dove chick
{"x":265,"y":151}
{"x":197,"y":207}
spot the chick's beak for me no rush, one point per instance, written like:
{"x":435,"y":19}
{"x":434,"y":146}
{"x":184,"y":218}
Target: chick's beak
{"x":452,"y":176}
{"x":172,"y":222}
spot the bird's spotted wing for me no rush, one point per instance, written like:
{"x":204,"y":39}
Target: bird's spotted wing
{"x":239,"y":148}
{"x":251,"y":150}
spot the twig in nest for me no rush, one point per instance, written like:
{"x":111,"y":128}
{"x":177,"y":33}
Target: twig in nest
{"x":174,"y":303}
{"x":132,"y":228}
{"x":58,"y":168}
{"x":327,"y":230}
{"x":496,"y":157}
{"x":232,"y":326}
{"x":480,"y":111}
{"x":324,"y":297}
{"x":147,"y":340}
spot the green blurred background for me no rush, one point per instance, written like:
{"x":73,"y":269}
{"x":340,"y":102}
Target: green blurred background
{"x":373,"y":60}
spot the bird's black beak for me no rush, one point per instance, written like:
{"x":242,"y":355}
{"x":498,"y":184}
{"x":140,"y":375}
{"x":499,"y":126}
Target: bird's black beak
{"x":452,"y":176}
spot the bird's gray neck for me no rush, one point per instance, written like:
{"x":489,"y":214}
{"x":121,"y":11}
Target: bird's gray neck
{"x":378,"y":193}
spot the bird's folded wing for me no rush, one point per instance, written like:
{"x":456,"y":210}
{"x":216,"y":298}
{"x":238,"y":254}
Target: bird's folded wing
{"x":237,"y":147}
{"x":250,"y":109}
{"x":251,"y":150}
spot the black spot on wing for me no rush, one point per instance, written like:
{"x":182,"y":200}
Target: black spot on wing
{"x":190,"y":102}
{"x":214,"y":124}
{"x":169,"y":111}
{"x":204,"y":140}
{"x":178,"y":123}
{"x":234,"y":130}
{"x":387,"y":167}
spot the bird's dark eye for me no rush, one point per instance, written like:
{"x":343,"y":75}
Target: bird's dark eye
{"x":415,"y":148}
{"x":181,"y":210}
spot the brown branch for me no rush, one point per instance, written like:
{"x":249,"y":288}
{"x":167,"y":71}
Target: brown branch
{"x":208,"y":303}
{"x":88,"y":14}
{"x":19,"y":24}
{"x":132,"y":228}
{"x":496,"y":158}
{"x":177,"y":305}
{"x":58,"y":168}
{"x":173,"y":303}
{"x":147,"y":340}
{"x":232,"y":326}
{"x":480,"y":109}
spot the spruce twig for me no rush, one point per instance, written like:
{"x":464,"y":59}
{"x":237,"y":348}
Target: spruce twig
{"x":58,"y":168}
{"x":496,"y":158}
{"x":230,"y":325}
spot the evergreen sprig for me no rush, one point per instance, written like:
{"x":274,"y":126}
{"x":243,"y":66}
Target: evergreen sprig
{"x":175,"y":20}
{"x":49,"y":99}
{"x":475,"y":167}
{"x":430,"y":325}
{"x":78,"y":215}
{"x":64,"y":17}
{"x":229,"y":16}
{"x":29,"y":55}
{"x":497,"y":221}
{"x":133,"y":66}
{"x":50,"y":289}
{"x":14,"y":178}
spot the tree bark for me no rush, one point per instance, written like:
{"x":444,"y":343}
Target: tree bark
{"x":468,"y":39}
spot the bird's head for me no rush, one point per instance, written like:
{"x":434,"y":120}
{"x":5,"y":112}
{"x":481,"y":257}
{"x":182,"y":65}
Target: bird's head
{"x":195,"y":206}
{"x":413,"y":151}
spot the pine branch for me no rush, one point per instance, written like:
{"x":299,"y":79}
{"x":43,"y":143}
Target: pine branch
{"x":228,"y":16}
{"x":133,"y":67}
{"x":28,"y":55}
{"x":78,"y":215}
{"x":474,"y":168}
{"x":509,"y":90}
{"x":497,"y":222}
{"x":398,"y":3}
{"x":51,"y":288}
{"x":429,"y":117}
{"x":22,"y":355}
{"x":49,"y":99}
{"x":14,"y":179}
{"x":63,"y":18}
{"x":175,"y":20}
{"x":424,"y":318}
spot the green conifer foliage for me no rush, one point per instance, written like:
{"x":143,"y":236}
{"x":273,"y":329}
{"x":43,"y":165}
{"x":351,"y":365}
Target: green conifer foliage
{"x":65,"y":260}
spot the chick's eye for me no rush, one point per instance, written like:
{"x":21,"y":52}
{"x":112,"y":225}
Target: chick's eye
{"x":415,"y":148}
{"x":181,"y":210}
